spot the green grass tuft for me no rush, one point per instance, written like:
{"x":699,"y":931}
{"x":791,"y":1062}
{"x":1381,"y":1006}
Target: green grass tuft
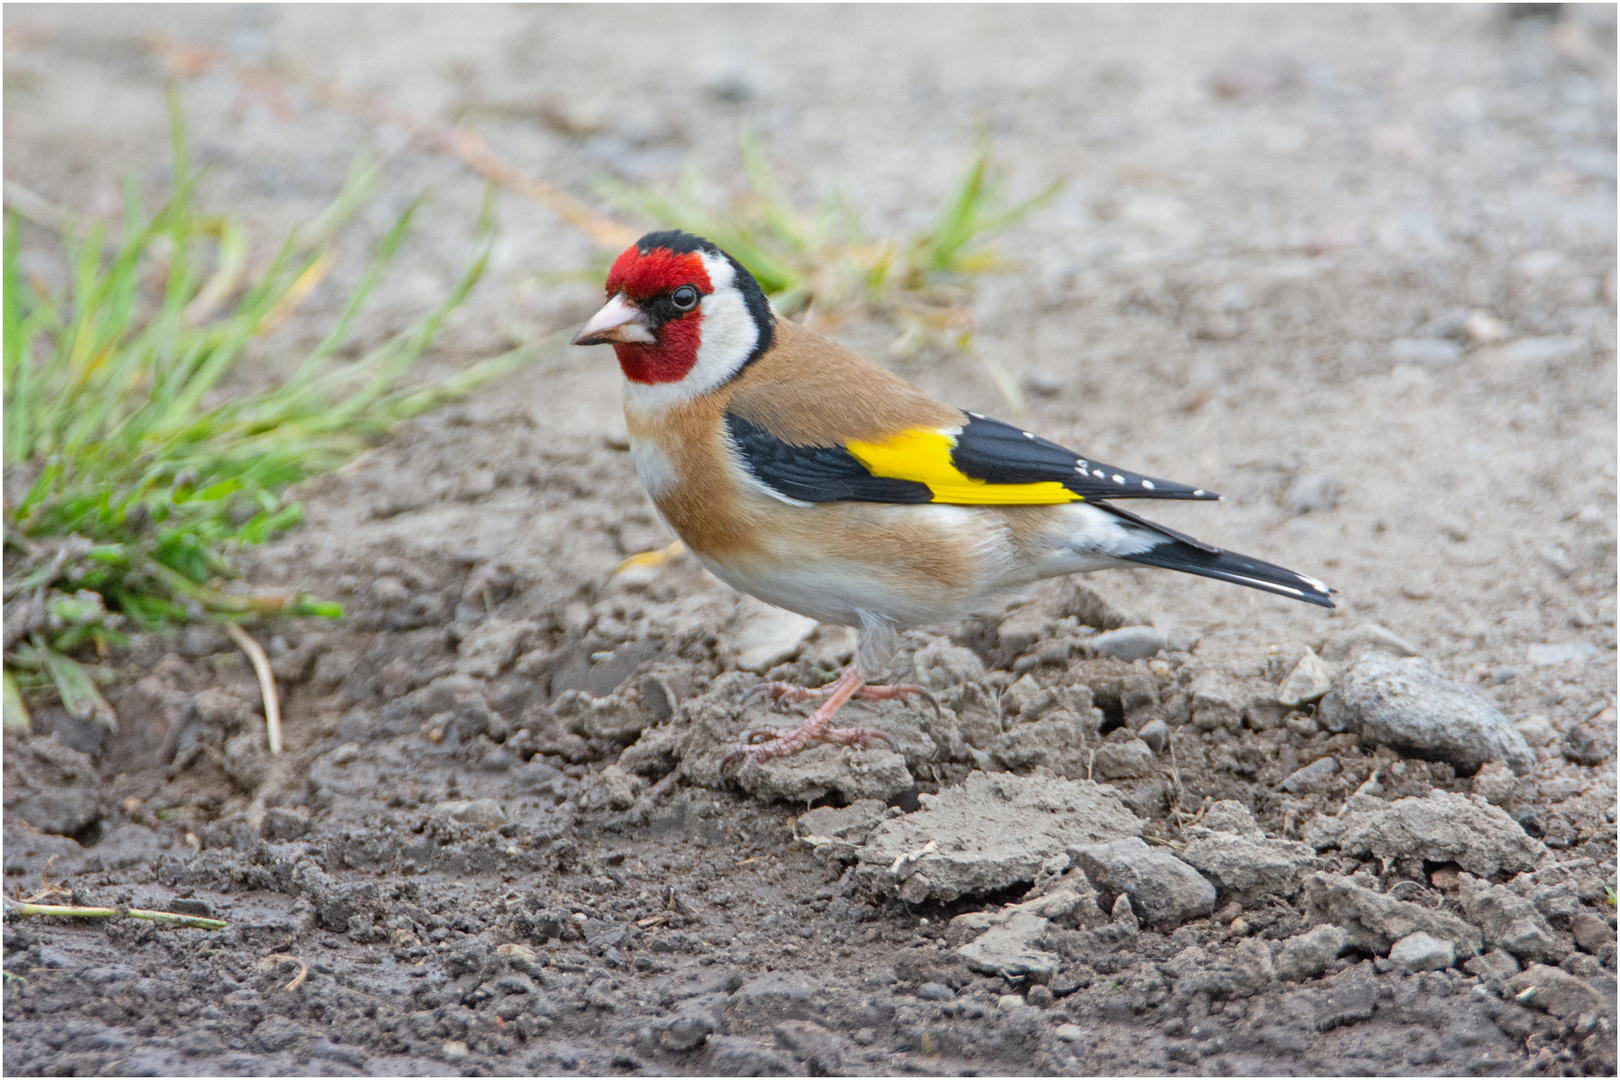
{"x":820,"y":264}
{"x":139,"y":477}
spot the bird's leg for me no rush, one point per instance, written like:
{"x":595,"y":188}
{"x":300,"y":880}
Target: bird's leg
{"x":781,"y":691}
{"x":816,"y":728}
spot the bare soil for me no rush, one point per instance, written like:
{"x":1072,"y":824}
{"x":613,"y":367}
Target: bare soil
{"x":1259,"y":277}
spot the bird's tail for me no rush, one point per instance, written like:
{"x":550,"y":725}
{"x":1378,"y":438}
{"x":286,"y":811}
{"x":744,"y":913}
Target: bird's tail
{"x":1178,"y":551}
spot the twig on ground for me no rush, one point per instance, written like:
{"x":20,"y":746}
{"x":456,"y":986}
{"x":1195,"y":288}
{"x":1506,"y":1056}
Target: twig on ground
{"x":166,"y":918}
{"x":284,"y":958}
{"x":267,"y":683}
{"x":48,"y":889}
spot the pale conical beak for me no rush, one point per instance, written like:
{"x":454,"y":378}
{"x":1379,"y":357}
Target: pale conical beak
{"x":619,"y":320}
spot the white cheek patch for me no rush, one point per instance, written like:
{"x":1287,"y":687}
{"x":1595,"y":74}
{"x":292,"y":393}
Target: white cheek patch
{"x":728,"y":336}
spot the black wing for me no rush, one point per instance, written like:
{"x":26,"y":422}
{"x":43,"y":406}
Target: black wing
{"x":1000,"y":453}
{"x":815,"y":474}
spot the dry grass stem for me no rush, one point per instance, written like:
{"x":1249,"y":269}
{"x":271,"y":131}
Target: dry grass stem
{"x":267,"y":683}
{"x":285,"y":958}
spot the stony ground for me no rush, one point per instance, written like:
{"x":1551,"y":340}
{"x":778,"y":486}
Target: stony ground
{"x":1352,"y":267}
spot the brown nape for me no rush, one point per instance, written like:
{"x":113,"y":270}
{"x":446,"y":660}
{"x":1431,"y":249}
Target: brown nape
{"x":814,"y":392}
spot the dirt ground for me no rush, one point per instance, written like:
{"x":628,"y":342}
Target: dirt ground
{"x":1354,"y":267}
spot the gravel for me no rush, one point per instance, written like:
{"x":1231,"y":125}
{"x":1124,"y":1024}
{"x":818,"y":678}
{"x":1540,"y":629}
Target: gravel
{"x":1164,"y":891}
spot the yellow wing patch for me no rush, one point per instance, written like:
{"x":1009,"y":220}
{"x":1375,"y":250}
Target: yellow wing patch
{"x":924,"y":455}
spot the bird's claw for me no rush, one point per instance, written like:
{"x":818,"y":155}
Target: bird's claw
{"x":781,"y":691}
{"x":900,"y":692}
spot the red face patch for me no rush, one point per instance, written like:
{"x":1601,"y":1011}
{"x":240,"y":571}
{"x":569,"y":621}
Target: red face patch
{"x":643,"y":278}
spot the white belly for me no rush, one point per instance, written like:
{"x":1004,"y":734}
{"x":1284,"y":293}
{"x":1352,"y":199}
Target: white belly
{"x":834,"y":584}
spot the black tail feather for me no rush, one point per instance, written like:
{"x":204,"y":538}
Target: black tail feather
{"x":1178,"y":551}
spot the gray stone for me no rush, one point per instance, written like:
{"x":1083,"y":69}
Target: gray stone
{"x":1310,"y":679}
{"x":1164,"y":891}
{"x":1495,"y":783}
{"x":1129,"y":643}
{"x":940,"y":664}
{"x":1060,"y":742}
{"x":856,"y":774}
{"x":1216,"y":702}
{"x":486,"y":813}
{"x":1409,"y":705}
{"x":1008,"y":948}
{"x":1313,"y":779}
{"x":1248,"y":867}
{"x":1593,"y":934}
{"x":1332,"y":714}
{"x":991,"y":832}
{"x":491,"y":646}
{"x":1509,"y":921}
{"x":688,"y":1029}
{"x":1155,"y":734}
{"x":1305,"y":956}
{"x":1349,"y":997}
{"x":933,"y":991}
{"x":1122,"y":914}
{"x":1373,"y":922}
{"x":1561,"y":890}
{"x":763,"y":636}
{"x":1551,"y":655}
{"x":730,"y":1055}
{"x":1557,"y":992}
{"x":767,"y":1000}
{"x":821,"y":1050}
{"x":247,"y":760}
{"x":1127,"y":760}
{"x":1224,"y":974}
{"x":831,"y":824}
{"x":1492,"y":964}
{"x":1444,"y":827}
{"x":1422,"y":952}
{"x":1006,"y":942}
{"x":1590,"y":744}
{"x":1536,"y":730}
{"x":1231,"y":816}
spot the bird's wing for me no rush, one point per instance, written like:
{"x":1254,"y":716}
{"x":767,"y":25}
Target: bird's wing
{"x":978,"y":462}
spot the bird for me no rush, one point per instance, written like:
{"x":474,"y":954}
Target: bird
{"x":802,"y":473}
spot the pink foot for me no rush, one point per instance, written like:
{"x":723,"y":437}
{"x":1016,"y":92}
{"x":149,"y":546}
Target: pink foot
{"x":768,"y":743}
{"x":781,"y":691}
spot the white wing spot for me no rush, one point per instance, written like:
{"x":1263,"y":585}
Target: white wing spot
{"x":977,"y":415}
{"x":1148,"y":484}
{"x":1118,"y":479}
{"x":1098,"y":473}
{"x":1027,"y":435}
{"x":1198,"y":491}
{"x":1080,"y":465}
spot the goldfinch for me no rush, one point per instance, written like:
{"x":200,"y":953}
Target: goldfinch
{"x":804,"y":474}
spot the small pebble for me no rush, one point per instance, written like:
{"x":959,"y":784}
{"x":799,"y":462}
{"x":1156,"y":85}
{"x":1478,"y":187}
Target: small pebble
{"x":933,"y":991}
{"x":1009,"y":1002}
{"x":1069,"y":1033}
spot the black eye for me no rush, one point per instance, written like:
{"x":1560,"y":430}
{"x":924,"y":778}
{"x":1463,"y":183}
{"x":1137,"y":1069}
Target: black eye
{"x":685,"y":298}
